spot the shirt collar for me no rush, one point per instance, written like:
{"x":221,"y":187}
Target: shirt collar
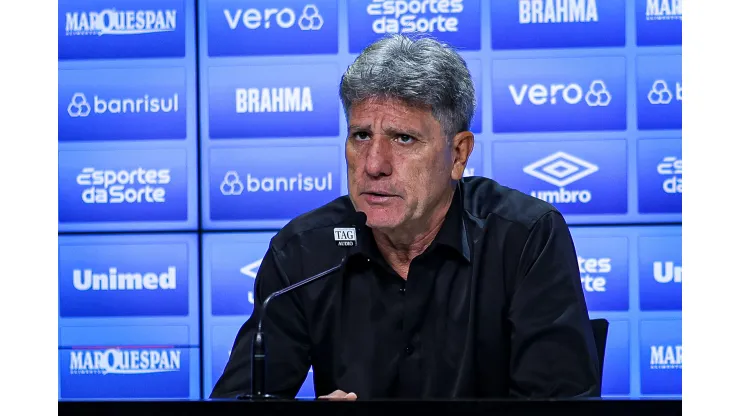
{"x":453,"y":233}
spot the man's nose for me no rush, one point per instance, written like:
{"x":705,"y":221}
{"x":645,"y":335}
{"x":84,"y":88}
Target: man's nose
{"x":378,"y":158}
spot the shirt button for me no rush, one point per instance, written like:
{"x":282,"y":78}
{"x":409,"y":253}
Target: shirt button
{"x":402,"y":290}
{"x":409,"y":350}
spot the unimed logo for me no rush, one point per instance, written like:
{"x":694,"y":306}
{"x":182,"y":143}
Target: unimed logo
{"x":661,"y":272}
{"x":272,"y":27}
{"x":116,"y":29}
{"x":563,"y":94}
{"x":118,"y":276}
{"x":453,"y":21}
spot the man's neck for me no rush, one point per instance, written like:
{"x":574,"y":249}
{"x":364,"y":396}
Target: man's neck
{"x":400,"y":246}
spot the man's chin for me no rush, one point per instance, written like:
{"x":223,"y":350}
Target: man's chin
{"x":381,"y":220}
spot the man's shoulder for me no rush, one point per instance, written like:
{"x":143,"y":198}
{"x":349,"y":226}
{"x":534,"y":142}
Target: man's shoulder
{"x":313,"y":225}
{"x":485,"y":198}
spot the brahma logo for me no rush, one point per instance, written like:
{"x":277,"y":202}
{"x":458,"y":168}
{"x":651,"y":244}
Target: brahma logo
{"x":274,"y":100}
{"x":284,"y":18}
{"x":126,"y":361}
{"x":597,"y":95}
{"x":120,"y":22}
{"x":551,"y":11}
{"x":561,"y":169}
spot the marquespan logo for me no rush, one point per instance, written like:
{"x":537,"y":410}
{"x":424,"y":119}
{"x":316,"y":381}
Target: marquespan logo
{"x":405,"y":16}
{"x":666,"y":357}
{"x":554,"y":11}
{"x":122,"y":360}
{"x":663,"y":10}
{"x":233,"y":185}
{"x":596,"y":95}
{"x":670,"y":170}
{"x":79,"y":106}
{"x":250,"y":270}
{"x":561,"y":169}
{"x":308,"y":19}
{"x":121,"y":186}
{"x":120,"y":22}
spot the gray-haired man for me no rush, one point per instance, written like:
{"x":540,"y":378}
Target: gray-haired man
{"x":457,"y":287}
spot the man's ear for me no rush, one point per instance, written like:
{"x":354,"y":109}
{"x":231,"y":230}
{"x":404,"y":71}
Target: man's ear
{"x":461,"y":146}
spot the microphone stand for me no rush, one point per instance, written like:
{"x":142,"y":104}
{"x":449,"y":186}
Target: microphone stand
{"x":258,"y":342}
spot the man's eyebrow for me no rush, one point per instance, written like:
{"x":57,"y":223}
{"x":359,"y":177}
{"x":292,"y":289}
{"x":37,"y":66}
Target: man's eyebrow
{"x":390,"y":131}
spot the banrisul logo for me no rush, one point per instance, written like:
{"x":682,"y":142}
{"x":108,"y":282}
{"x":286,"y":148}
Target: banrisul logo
{"x":232,"y":264}
{"x":117,"y":104}
{"x":272,"y":27}
{"x":660,"y":176}
{"x":566,"y":94}
{"x":278,"y":183}
{"x":604,"y":266}
{"x":660,"y":272}
{"x":659,"y":92}
{"x":661,"y":356}
{"x":578,"y":177}
{"x":456,"y":22}
{"x":123,"y":185}
{"x":273,"y":101}
{"x":124,"y":372}
{"x":127,"y":278}
{"x":128,"y":361}
{"x":109,"y":29}
{"x":659,"y":22}
{"x":529,"y":24}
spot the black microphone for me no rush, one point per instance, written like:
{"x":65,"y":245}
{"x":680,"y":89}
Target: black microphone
{"x":259,"y":349}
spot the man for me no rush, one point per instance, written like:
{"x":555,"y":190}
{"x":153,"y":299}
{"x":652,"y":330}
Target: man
{"x":456,"y":288}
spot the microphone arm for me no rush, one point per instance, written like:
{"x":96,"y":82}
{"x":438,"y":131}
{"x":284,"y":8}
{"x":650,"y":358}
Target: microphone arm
{"x":258,"y":341}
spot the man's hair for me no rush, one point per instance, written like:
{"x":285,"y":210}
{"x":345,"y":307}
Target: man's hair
{"x":421,"y":72}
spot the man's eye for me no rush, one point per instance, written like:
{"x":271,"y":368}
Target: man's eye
{"x":405,"y":139}
{"x":361,"y":135}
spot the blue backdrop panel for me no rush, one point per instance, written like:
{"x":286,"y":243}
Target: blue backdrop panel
{"x":144,"y":286}
{"x":231,"y":133}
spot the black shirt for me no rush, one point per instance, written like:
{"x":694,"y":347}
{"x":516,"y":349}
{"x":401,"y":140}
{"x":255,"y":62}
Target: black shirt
{"x":493,"y":308}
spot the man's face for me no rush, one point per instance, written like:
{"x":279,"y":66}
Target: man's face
{"x":399,"y":164}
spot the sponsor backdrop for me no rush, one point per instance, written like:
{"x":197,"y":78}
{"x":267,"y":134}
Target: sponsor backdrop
{"x":190,"y":132}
